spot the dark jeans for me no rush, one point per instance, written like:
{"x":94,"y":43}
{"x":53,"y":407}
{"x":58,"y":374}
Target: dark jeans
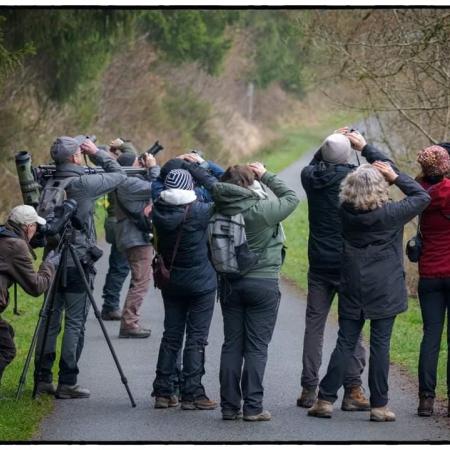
{"x":191,"y":314}
{"x":249,"y":316}
{"x":434,"y":295}
{"x":117,"y":273}
{"x":321,"y":291}
{"x":74,"y":302}
{"x":7,"y":347}
{"x":348,"y":335}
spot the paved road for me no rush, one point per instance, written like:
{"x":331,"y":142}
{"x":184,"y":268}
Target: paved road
{"x":108,"y":416}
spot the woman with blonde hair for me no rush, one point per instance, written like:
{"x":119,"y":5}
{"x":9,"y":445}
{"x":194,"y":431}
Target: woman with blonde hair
{"x":372,"y":281}
{"x":434,"y":271}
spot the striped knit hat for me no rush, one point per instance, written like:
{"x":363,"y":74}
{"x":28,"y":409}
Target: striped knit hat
{"x":179,"y":179}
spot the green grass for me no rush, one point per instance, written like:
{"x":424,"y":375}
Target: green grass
{"x":407,"y":333}
{"x":19,"y":420}
{"x":296,"y":142}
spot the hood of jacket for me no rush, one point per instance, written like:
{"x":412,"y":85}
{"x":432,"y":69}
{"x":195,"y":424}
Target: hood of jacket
{"x":167,"y":216}
{"x":231,"y":199}
{"x":325,"y":174}
{"x":440,"y":196}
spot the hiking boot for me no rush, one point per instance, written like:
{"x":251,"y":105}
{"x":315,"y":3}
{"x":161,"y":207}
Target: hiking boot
{"x":203,"y":403}
{"x":134,"y":333}
{"x":45,"y":388}
{"x":65,"y":391}
{"x":307,"y":398}
{"x":321,"y":408}
{"x":354,"y":399}
{"x":231,"y":415}
{"x":166,"y":402}
{"x":382,"y":414}
{"x":111,"y":315}
{"x":261,"y":417}
{"x":425,"y":408}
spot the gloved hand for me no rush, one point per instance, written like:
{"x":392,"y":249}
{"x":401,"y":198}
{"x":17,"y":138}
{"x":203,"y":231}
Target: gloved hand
{"x":53,"y":258}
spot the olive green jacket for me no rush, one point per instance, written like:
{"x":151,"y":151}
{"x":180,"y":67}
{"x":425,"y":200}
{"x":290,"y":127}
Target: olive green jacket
{"x":262,"y":218}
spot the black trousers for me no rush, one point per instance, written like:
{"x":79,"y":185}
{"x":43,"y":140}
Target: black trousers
{"x":7,"y":346}
{"x":380,"y":339}
{"x":249,"y":315}
{"x":321,"y":291}
{"x":434,"y":296}
{"x":191,"y":314}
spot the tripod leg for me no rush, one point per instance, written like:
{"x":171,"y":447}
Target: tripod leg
{"x":102,"y":326}
{"x":46,"y":312}
{"x":47,"y":306}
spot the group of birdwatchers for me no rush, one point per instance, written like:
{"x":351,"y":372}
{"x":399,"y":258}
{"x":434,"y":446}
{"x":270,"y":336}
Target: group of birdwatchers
{"x":355,"y":250}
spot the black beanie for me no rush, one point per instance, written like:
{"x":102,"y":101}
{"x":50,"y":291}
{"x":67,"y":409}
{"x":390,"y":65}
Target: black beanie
{"x":126,"y":159}
{"x":175,"y":163}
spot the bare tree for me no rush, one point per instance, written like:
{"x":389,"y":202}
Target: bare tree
{"x":396,"y":65}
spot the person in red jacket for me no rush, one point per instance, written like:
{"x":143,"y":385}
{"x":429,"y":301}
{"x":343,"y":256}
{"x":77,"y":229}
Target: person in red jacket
{"x":434,"y":270}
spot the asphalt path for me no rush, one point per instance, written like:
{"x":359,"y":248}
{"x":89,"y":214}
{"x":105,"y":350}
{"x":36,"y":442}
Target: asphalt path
{"x":108,"y":416}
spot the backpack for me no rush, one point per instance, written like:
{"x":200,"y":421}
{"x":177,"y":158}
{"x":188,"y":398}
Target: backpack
{"x":230,"y":253}
{"x":53,"y":195}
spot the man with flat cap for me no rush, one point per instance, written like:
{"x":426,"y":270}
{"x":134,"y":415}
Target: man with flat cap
{"x":67,"y":153}
{"x":321,"y":180}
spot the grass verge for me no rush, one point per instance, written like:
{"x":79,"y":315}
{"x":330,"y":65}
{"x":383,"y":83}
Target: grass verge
{"x":19,"y":420}
{"x":407,"y":333}
{"x":295,"y":142}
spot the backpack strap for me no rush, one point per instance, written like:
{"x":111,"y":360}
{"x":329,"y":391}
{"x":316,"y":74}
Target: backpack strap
{"x":177,"y":242}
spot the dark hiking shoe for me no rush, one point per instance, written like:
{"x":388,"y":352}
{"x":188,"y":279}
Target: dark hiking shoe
{"x":261,"y":417}
{"x":134,"y":333}
{"x":307,"y":398}
{"x":199,"y":403}
{"x":354,"y":399}
{"x":111,"y":315}
{"x":45,"y":388}
{"x":426,"y":405}
{"x":322,"y":409}
{"x":382,"y":414}
{"x":231,"y":415}
{"x":166,"y":402}
{"x":65,"y":391}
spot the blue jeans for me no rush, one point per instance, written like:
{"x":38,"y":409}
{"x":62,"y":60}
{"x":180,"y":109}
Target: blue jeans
{"x":193,"y":314}
{"x":117,"y":273}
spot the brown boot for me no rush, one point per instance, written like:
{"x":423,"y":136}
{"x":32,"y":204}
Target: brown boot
{"x":354,"y":399}
{"x":426,"y":405}
{"x":382,"y":414}
{"x":307,"y":398}
{"x":321,"y":408}
{"x":203,"y":403}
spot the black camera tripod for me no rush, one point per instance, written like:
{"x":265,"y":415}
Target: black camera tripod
{"x":65,"y":247}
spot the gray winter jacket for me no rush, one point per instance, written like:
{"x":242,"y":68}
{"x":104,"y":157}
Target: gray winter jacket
{"x":86,"y":189}
{"x":134,"y":195}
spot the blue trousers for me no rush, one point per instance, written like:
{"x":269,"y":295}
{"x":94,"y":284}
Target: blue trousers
{"x":117,"y":273}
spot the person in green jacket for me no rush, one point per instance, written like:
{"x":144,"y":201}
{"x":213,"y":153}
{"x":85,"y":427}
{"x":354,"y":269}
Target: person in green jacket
{"x":250,"y":304}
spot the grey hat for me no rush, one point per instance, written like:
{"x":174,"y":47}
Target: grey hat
{"x":336,"y":149}
{"x":64,"y":147}
{"x":126,"y":159}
